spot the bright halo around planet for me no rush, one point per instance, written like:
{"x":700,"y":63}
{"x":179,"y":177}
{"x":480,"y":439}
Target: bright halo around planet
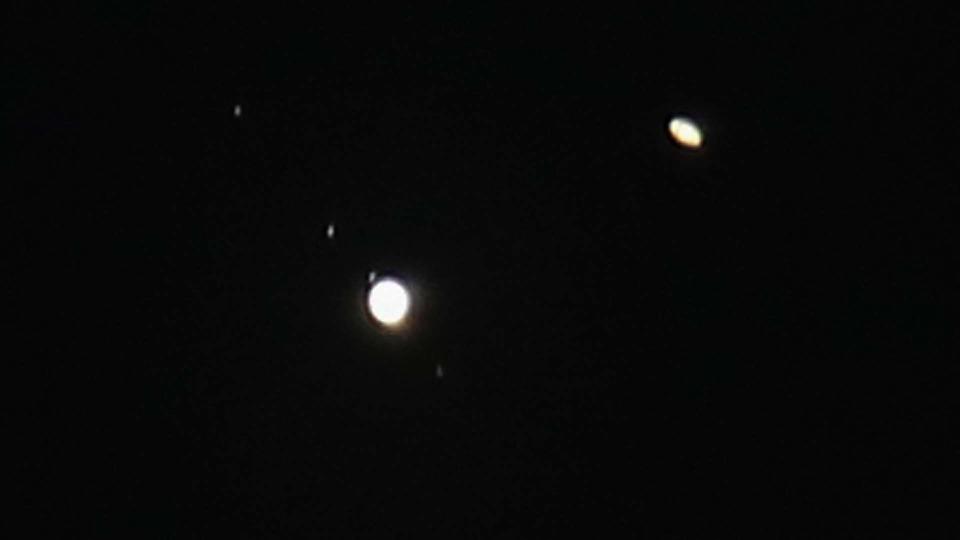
{"x":685,"y":132}
{"x":388,"y":302}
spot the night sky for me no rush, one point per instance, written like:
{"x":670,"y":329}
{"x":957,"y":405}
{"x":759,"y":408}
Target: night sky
{"x":757,"y":337}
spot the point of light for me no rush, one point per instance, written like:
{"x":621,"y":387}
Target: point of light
{"x":388,"y":302}
{"x":237,"y":111}
{"x":685,"y":132}
{"x":331,"y":230}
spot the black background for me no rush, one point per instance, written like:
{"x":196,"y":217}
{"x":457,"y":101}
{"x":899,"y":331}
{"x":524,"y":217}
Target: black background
{"x":636,"y":339}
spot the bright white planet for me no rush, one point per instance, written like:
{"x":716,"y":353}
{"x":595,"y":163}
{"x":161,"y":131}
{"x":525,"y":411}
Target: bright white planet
{"x":685,"y":132}
{"x":388,"y":302}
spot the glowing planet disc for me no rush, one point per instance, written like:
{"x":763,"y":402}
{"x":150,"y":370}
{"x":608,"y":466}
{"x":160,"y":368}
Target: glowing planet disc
{"x":685,"y":132}
{"x":388,"y":302}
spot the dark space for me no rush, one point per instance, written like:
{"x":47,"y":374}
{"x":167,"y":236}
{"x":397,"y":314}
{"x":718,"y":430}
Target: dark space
{"x":757,"y":338}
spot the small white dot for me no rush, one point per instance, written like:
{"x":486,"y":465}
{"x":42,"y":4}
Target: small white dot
{"x":371,"y":276}
{"x":237,"y":111}
{"x":331,"y":230}
{"x":439,"y":371}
